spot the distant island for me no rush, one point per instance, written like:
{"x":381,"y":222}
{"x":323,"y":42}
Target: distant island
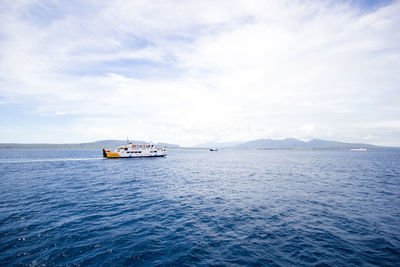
{"x":291,"y":143}
{"x":90,"y":145}
{"x":260,"y":144}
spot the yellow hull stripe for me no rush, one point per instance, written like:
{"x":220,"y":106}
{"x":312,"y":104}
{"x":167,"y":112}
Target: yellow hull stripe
{"x":113,"y":155}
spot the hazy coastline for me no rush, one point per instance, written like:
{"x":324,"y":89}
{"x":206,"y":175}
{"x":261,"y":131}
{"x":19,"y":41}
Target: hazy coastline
{"x":260,"y":144}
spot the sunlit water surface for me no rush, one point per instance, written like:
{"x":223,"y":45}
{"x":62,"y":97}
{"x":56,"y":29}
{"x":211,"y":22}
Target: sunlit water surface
{"x":195,"y":207}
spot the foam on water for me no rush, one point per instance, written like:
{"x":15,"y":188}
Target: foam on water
{"x":199,"y":207}
{"x":46,"y":160}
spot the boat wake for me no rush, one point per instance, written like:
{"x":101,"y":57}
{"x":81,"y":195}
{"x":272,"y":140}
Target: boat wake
{"x":47,"y":160}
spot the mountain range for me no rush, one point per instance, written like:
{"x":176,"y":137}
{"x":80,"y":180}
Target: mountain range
{"x":89,"y":145}
{"x":289,"y":143}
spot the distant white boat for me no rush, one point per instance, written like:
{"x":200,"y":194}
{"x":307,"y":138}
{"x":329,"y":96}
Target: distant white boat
{"x":358,"y":149}
{"x":213,"y":149}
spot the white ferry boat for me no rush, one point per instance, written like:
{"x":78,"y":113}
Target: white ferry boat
{"x":136,"y":151}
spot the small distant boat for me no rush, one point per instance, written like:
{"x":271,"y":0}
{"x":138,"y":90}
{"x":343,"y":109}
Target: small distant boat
{"x":358,"y":149}
{"x":136,"y":151}
{"x":213,"y":149}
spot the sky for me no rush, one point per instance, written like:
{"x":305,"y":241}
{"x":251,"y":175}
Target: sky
{"x":189,"y":72}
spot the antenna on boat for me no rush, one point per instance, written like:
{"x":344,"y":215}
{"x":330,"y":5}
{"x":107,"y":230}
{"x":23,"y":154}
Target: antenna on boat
{"x":127,"y":140}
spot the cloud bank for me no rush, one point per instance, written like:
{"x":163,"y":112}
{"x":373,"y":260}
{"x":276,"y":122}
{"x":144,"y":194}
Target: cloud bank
{"x":189,"y":72}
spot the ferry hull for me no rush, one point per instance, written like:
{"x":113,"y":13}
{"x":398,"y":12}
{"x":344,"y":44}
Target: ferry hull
{"x":122,"y":155}
{"x":155,"y":156}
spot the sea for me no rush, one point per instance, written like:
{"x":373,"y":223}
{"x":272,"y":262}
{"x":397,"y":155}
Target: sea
{"x":200,"y":208}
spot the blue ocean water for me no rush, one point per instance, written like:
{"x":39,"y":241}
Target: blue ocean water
{"x":195,"y":207}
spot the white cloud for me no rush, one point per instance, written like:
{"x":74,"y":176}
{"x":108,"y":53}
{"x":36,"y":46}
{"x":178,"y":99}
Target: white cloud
{"x":229,"y":71}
